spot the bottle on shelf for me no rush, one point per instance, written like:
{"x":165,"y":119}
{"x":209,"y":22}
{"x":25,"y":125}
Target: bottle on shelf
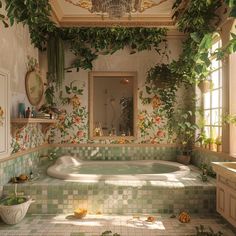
{"x":28,"y":113}
{"x":33,"y":112}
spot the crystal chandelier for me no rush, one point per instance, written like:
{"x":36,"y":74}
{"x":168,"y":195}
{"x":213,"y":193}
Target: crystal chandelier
{"x":115,"y":8}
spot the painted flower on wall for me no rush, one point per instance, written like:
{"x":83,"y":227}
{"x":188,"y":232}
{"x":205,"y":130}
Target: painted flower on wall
{"x":156,"y":102}
{"x":75,"y":101}
{"x":73,"y":121}
{"x":152,"y":120}
{"x":157,"y":120}
{"x":29,"y":136}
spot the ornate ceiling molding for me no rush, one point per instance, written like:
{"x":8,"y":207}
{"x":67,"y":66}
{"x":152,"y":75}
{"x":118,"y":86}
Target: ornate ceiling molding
{"x":66,"y":15}
{"x":94,"y":5}
{"x":68,"y":21}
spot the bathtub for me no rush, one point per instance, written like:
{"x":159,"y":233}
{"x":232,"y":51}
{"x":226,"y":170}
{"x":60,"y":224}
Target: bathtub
{"x":71,"y":168}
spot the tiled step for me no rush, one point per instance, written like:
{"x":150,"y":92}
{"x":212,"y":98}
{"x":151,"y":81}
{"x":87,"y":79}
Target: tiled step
{"x":148,"y":197}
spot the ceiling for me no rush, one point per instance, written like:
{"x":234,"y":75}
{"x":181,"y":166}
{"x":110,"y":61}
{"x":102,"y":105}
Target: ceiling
{"x":66,"y":14}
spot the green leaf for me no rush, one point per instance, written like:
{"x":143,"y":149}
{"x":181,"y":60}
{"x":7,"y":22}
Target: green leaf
{"x":233,"y":35}
{"x":11,"y":21}
{"x":68,"y":90}
{"x":196,"y":37}
{"x":206,"y":42}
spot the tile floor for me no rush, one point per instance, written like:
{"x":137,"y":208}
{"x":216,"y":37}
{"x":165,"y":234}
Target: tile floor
{"x":94,"y":225}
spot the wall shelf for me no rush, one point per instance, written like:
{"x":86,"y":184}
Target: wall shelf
{"x":21,"y":122}
{"x":32,"y":120}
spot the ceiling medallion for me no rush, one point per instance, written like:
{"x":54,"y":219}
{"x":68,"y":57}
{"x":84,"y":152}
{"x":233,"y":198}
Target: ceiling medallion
{"x":115,"y":9}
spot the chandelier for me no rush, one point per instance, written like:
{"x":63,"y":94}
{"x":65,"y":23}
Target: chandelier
{"x":115,"y":8}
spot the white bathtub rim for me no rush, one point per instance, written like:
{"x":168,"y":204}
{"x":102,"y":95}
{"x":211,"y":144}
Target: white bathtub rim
{"x":55,"y":172}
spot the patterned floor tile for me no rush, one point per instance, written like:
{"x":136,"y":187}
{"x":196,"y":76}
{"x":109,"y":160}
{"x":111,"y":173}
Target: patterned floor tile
{"x":93,"y":225}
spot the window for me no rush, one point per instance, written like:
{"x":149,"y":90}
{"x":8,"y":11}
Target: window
{"x":212,"y":100}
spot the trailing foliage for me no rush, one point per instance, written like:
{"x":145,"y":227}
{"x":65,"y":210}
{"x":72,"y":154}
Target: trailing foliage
{"x":196,"y":15}
{"x":163,"y":82}
{"x":88,"y":43}
{"x":56,"y":61}
{"x":85,"y":43}
{"x":199,"y":19}
{"x":35,"y":14}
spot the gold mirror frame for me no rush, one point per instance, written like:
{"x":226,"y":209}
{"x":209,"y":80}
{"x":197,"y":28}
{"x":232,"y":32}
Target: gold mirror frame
{"x":34,"y":89}
{"x":92,"y":76}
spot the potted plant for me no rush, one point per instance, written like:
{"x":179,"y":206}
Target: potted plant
{"x":161,"y":76}
{"x":210,"y":144}
{"x":201,"y":139}
{"x":14,"y":208}
{"x":218,"y":143}
{"x":185,"y":130}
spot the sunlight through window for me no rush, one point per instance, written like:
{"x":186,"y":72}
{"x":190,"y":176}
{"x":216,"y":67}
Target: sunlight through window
{"x":213,"y":98}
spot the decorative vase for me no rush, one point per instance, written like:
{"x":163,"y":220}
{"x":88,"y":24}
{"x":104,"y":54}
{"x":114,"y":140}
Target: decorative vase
{"x":13,"y":214}
{"x":21,"y":110}
{"x":184,"y":159}
{"x":205,"y":86}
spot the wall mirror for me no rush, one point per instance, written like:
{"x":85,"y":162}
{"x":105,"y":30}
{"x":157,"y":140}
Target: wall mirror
{"x":34,"y":87}
{"x":112,"y":104}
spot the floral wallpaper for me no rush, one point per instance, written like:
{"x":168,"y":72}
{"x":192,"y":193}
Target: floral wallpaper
{"x":26,"y":137}
{"x":72,"y":126}
{"x":152,"y":121}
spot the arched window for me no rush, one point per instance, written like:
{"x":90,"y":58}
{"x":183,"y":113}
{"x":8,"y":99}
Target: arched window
{"x":212,"y":100}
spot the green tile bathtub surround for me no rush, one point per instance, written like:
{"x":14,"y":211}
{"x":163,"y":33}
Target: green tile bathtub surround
{"x":15,"y":167}
{"x":55,"y":196}
{"x":120,"y":153}
{"x":22,"y":164}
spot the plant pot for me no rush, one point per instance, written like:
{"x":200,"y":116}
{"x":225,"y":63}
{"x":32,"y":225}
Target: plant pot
{"x":219,"y":148}
{"x":183,"y":159}
{"x":211,"y":147}
{"x":160,"y":84}
{"x":205,"y":86}
{"x":13,"y":214}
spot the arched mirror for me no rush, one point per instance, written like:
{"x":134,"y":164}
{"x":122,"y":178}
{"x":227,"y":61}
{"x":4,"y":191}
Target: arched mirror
{"x":112,"y":104}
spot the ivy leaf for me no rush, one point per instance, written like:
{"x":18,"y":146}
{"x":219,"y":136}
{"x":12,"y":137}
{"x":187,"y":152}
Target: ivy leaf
{"x":68,"y":90}
{"x":233,"y":12}
{"x":195,"y":36}
{"x":148,"y":90}
{"x":11,"y":21}
{"x":206,"y":42}
{"x":233,"y":35}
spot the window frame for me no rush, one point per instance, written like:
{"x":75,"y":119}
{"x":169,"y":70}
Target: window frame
{"x":219,"y":108}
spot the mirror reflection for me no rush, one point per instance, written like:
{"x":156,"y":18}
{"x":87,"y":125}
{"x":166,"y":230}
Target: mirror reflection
{"x":113,"y":105}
